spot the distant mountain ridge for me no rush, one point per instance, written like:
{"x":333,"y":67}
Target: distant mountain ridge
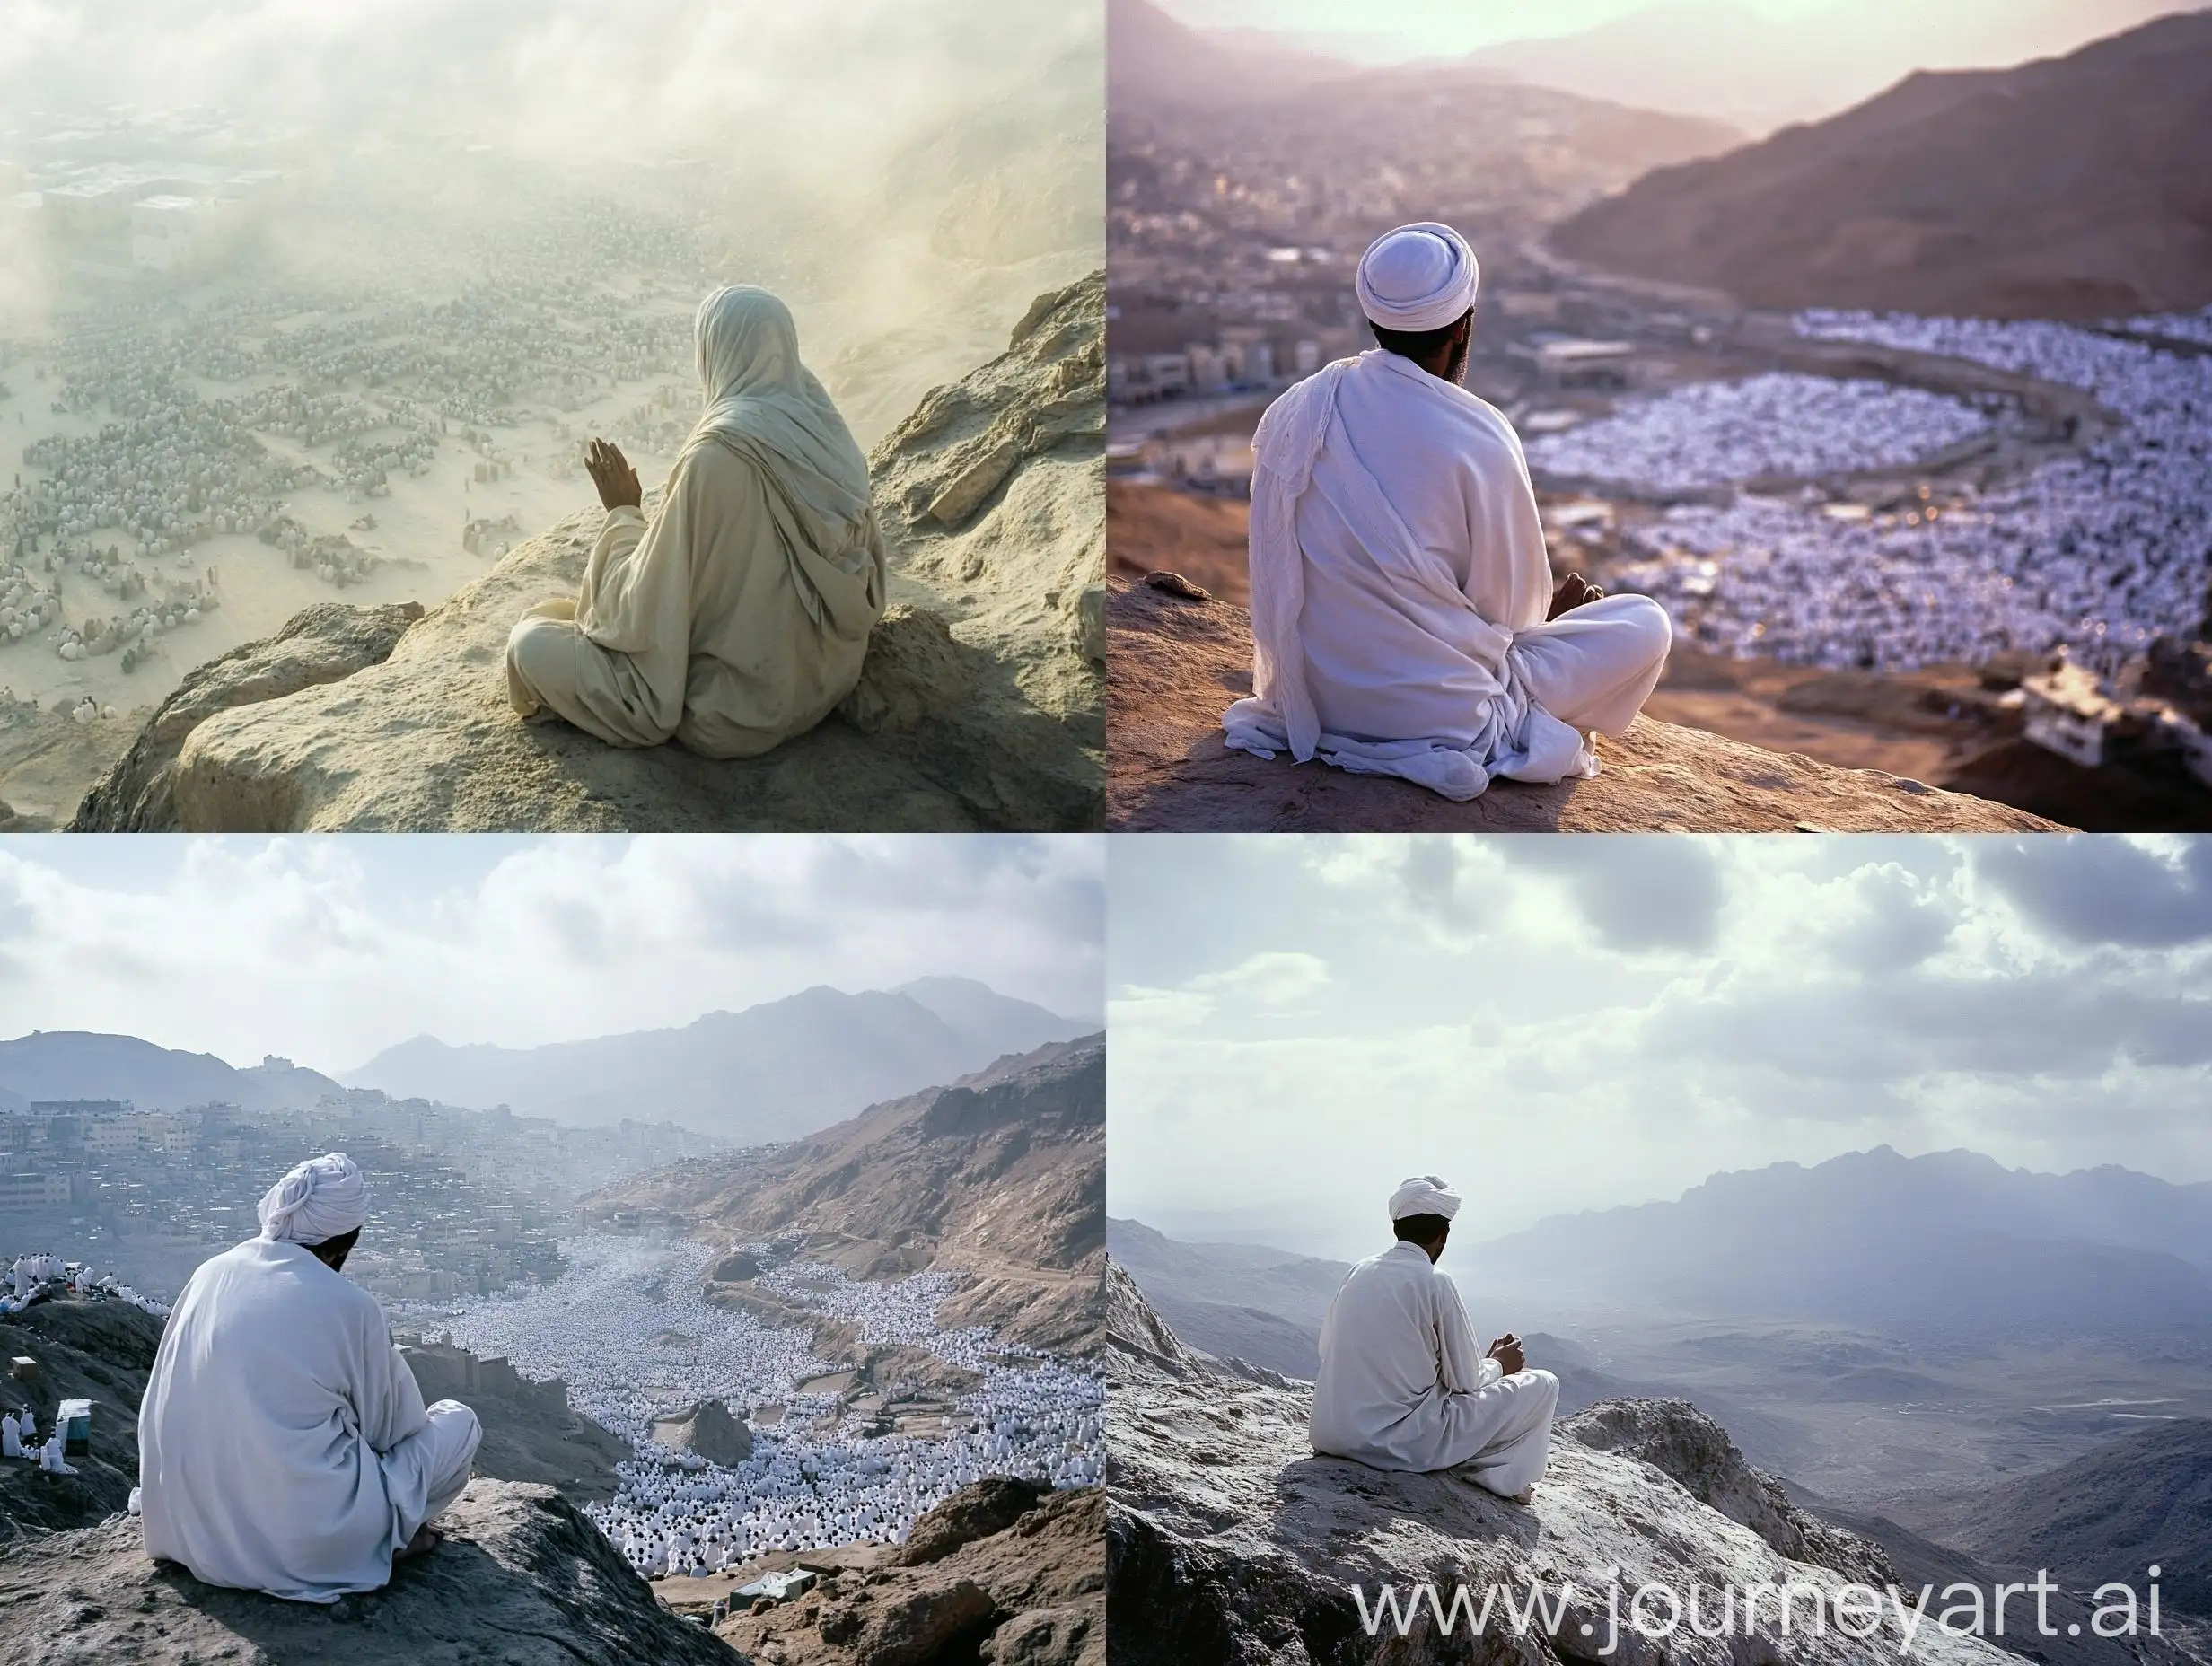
{"x":1951,"y":1243}
{"x":77,"y":1064}
{"x":1152,"y":58}
{"x":776,"y":1070}
{"x":1726,"y":59}
{"x":2067,"y":188}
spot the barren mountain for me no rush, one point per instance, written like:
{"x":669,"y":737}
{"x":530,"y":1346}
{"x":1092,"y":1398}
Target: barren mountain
{"x":1151,"y":58}
{"x":2141,"y":1500}
{"x":66,"y":1064}
{"x":2100,"y":1253}
{"x":999,"y":1176}
{"x":2069,"y":188}
{"x":772,"y":1072}
{"x":1726,"y":59}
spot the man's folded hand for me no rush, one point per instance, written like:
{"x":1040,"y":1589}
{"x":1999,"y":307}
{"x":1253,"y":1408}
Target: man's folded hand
{"x":1574,"y":590}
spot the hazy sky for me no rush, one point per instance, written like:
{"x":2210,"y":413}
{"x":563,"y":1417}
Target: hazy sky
{"x":1386,"y":28}
{"x":328,"y":949}
{"x":1558,"y":1024}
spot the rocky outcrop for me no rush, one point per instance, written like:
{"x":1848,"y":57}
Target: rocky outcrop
{"x":707,"y":1429}
{"x":1229,"y":1543}
{"x":521,"y":1578}
{"x":1030,"y":1592}
{"x":981,"y":706}
{"x":978,"y":1510}
{"x":100,"y":1351}
{"x":1680,"y":1441}
{"x":324,"y":644}
{"x":1176,"y":662}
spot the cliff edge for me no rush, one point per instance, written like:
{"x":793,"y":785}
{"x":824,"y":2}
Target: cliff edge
{"x":522,"y":1578}
{"x":1175,"y":662}
{"x":1230,"y":1543}
{"x":981,"y":706}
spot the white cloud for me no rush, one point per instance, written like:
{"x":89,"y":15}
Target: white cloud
{"x":329,"y":949}
{"x":1536,"y":1025}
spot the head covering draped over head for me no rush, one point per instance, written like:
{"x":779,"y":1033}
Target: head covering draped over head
{"x":1423,"y":1194}
{"x":1417,"y":278}
{"x":763,"y":403}
{"x":323,"y":1198}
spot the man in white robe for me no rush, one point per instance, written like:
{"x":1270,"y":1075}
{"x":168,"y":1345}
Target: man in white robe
{"x":1403,"y":1384}
{"x":283,"y":1443}
{"x":1404,"y":617}
{"x":738,"y":615}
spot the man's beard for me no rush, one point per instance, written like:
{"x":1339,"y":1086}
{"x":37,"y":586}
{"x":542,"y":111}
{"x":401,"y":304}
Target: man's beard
{"x":1455,"y":372}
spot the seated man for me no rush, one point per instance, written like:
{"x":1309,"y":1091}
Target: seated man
{"x":283,"y":1444}
{"x":1400,"y":1384}
{"x":738,"y":616}
{"x":1404,"y":618}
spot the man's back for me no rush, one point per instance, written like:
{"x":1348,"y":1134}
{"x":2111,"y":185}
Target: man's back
{"x":275,"y":1388}
{"x":1395,"y":1345}
{"x":1394,"y":653}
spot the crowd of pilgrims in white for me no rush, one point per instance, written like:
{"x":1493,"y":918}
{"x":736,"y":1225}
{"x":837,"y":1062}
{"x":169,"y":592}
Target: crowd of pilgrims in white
{"x":173,"y":468}
{"x":2095,"y":553}
{"x":1714,"y":433}
{"x":43,"y":1277}
{"x":627,"y":1326}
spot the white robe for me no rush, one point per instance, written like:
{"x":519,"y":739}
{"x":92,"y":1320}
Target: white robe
{"x":1404,"y":1384}
{"x":283,"y":1444}
{"x":1400,"y":582}
{"x":717,"y":621}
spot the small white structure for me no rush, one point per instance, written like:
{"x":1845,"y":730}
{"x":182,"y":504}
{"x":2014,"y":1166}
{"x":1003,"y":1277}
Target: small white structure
{"x":164,"y":230}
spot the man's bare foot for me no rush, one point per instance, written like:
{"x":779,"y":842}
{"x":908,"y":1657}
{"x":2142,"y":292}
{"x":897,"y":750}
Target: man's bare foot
{"x":1525,"y":1497}
{"x":426,"y":1541}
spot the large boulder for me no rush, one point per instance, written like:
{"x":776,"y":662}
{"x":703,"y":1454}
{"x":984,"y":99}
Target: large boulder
{"x":981,"y":706}
{"x":706,"y":1430}
{"x":1230,"y":1543}
{"x":522,"y":1578}
{"x":1030,"y":1592}
{"x":324,"y":644}
{"x":979,"y":1509}
{"x":1177,"y":662}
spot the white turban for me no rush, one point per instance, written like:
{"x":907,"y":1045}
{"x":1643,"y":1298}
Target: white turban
{"x":1418,"y":277}
{"x":1423,"y":1194}
{"x":323,"y":1198}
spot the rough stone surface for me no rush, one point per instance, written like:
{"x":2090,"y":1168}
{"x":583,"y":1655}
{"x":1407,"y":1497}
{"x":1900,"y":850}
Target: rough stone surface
{"x":708,"y":1429}
{"x":979,"y":1509}
{"x":1175,"y":664}
{"x":323,"y":643}
{"x":521,"y":1579}
{"x":982,"y":706}
{"x":1229,"y":1543}
{"x":1681,"y":1442}
{"x":100,"y":1351}
{"x":1033,"y":1593}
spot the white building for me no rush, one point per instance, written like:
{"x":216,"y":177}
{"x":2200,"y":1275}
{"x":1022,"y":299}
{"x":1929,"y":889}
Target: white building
{"x":164,"y":231}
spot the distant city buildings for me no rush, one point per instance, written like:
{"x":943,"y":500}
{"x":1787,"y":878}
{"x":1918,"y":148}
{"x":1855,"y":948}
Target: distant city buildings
{"x":467,"y":1201}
